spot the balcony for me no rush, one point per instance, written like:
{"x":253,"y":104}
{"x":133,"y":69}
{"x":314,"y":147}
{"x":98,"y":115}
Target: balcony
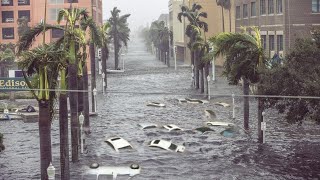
{"x":6,"y":2}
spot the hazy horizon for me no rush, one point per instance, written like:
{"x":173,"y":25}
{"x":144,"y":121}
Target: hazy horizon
{"x":142,"y":12}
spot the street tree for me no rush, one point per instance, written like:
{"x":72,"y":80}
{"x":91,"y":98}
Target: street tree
{"x":194,"y":16}
{"x":119,"y":32}
{"x":244,"y":58}
{"x":104,"y":33}
{"x":225,"y":4}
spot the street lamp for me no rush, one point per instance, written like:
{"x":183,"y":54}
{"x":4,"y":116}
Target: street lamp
{"x":263,"y":128}
{"x":103,"y":81}
{"x":192,"y":75}
{"x":81,"y":121}
{"x":95,"y":99}
{"x":51,"y":171}
{"x":208,"y":79}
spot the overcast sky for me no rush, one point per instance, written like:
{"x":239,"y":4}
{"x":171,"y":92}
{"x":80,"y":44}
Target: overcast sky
{"x":142,"y":11}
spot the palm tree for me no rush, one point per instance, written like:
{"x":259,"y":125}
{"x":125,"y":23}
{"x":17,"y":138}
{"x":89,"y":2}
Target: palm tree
{"x":104,"y":33}
{"x":72,"y":34}
{"x":225,"y":4}
{"x":195,"y":23}
{"x":244,"y":57}
{"x":6,"y":60}
{"x":42,"y":62}
{"x":119,"y":32}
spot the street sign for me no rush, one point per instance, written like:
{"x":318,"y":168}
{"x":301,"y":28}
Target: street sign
{"x":12,"y":84}
{"x":263,"y":126}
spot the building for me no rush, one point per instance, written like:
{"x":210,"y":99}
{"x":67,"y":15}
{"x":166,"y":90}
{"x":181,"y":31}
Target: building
{"x":280,"y":21}
{"x":34,"y":11}
{"x":214,"y":21}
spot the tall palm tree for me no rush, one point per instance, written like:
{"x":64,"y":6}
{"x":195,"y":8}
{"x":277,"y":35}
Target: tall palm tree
{"x":104,"y":33}
{"x":6,"y":60}
{"x":244,"y":57}
{"x":194,"y":17}
{"x":119,"y":32}
{"x":43,"y":62}
{"x":72,"y":34}
{"x":225,"y":4}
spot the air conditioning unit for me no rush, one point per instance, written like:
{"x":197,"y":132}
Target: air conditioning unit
{"x":272,"y":53}
{"x":281,"y":54}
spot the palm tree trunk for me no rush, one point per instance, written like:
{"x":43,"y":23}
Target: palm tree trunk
{"x":73,"y":99}
{"x":246,"y":104}
{"x":93,"y":73}
{"x":116,"y":54}
{"x":168,"y":59}
{"x":201,"y":79}
{"x":206,"y":70}
{"x":104,"y":64}
{"x":223,"y":30}
{"x":260,"y":119}
{"x":230,"y":24}
{"x":45,"y":137}
{"x":86,"y":108}
{"x":64,"y":143}
{"x":196,"y":68}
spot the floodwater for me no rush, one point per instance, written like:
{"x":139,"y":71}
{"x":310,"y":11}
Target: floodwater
{"x":290,"y":152}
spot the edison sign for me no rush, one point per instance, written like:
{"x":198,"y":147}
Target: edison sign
{"x":12,"y":84}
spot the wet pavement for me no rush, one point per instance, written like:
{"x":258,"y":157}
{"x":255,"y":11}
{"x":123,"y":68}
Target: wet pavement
{"x":291,"y":151}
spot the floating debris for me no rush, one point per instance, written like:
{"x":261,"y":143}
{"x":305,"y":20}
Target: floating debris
{"x":222,"y":104}
{"x":216,"y":123}
{"x":156,"y":104}
{"x":210,"y":114}
{"x":204,"y":129}
{"x":118,"y":143}
{"x":163,"y":144}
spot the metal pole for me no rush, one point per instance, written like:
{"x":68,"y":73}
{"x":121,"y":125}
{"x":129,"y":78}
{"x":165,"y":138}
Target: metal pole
{"x":233,"y":107}
{"x":81,"y":135}
{"x":175,"y":57}
{"x":208,"y":79}
{"x":263,"y":128}
{"x":213,"y":70}
{"x":103,"y":82}
{"x":192,"y":76}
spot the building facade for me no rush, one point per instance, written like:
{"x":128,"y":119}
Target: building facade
{"x":33,"y":10}
{"x":214,"y":21}
{"x":280,"y":21}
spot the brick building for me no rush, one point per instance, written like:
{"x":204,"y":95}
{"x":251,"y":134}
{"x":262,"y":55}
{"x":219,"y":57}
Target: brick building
{"x":280,"y":21}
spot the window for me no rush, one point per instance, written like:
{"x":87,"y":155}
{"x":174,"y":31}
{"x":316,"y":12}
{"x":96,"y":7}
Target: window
{"x":25,"y":14}
{"x":262,"y":7}
{"x":7,"y":2}
{"x":280,"y":42}
{"x":270,"y":7}
{"x":271,"y":42}
{"x":264,"y":41}
{"x":75,"y":1}
{"x":279,"y":6}
{"x":245,"y":10}
{"x":315,"y":6}
{"x":53,"y":13}
{"x":23,"y":2}
{"x":7,"y":17}
{"x":253,"y":9}
{"x":7,"y":33}
{"x":56,"y":1}
{"x":57,"y":33}
{"x":238,"y":12}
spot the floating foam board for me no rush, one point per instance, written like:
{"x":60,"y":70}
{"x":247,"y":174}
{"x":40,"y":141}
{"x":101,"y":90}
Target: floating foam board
{"x":156,"y":104}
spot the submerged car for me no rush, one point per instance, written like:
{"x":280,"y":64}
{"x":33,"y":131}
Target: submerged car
{"x":156,"y":104}
{"x":222,"y":104}
{"x":171,"y":127}
{"x":217,"y":123}
{"x":147,"y":125}
{"x":118,"y":143}
{"x":163,"y":144}
{"x":114,"y":171}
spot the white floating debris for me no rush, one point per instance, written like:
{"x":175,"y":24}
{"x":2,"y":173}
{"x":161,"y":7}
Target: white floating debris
{"x":210,"y":114}
{"x":133,"y":170}
{"x":196,"y":101}
{"x":163,"y":144}
{"x":147,"y":125}
{"x":171,"y":127}
{"x":156,"y":104}
{"x":216,"y":123}
{"x":222,"y":104}
{"x":118,"y":143}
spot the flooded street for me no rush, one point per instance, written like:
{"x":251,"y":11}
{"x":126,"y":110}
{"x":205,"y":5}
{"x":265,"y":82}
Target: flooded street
{"x":290,"y":152}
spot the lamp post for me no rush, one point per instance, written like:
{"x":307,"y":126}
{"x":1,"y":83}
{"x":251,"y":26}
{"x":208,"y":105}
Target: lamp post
{"x":233,"y":107}
{"x":175,"y":57}
{"x":192,"y":75}
{"x":208,"y":79}
{"x":95,"y":99}
{"x":263,"y":128}
{"x":81,"y":120}
{"x":103,"y":82}
{"x":122,"y":62}
{"x":51,"y":171}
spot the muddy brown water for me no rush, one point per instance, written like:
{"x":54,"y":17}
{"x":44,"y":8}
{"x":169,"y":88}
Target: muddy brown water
{"x":291,"y":151}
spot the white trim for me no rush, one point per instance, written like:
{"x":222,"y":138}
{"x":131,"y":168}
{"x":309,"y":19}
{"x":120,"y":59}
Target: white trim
{"x":279,"y":14}
{"x":272,"y":25}
{"x":271,"y":33}
{"x":279,"y":32}
{"x":263,"y":32}
{"x":315,"y":13}
{"x":315,"y":24}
